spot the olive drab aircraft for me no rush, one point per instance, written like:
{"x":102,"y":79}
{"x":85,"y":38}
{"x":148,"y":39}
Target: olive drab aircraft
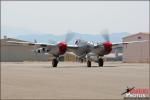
{"x":89,"y":51}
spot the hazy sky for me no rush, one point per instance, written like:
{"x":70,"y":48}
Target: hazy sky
{"x":57,"y":17}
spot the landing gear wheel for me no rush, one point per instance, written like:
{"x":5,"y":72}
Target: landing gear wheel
{"x":88,"y":63}
{"x":54,"y":62}
{"x":81,"y":60}
{"x":100,"y":62}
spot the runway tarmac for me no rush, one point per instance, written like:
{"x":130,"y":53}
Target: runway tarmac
{"x":70,"y":80}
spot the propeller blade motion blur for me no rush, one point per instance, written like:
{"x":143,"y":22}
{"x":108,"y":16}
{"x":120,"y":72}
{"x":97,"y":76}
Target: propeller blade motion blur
{"x":69,"y":36}
{"x":105,"y":35}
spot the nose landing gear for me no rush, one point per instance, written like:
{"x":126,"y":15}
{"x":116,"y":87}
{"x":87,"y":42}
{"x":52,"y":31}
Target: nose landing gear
{"x":100,"y":62}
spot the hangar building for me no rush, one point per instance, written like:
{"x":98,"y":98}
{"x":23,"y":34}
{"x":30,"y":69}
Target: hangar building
{"x":18,"y":53}
{"x":136,"y":52}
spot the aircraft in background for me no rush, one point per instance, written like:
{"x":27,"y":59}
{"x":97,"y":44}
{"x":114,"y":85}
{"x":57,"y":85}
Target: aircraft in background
{"x":82,"y":49}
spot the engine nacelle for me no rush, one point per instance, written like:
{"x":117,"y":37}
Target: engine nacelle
{"x":62,"y":47}
{"x":107,"y":47}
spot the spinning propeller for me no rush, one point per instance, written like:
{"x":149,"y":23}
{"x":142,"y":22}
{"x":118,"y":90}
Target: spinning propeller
{"x":105,"y":35}
{"x":68,"y":37}
{"x":107,"y":44}
{"x":63,"y":44}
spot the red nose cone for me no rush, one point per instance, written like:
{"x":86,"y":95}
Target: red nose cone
{"x":107,"y":47}
{"x":62,"y":47}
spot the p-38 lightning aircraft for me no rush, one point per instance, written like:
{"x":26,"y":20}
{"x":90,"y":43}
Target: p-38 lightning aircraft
{"x":82,"y":49}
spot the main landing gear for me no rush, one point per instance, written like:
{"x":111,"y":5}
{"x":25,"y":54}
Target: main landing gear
{"x":88,"y":63}
{"x":100,"y":62}
{"x":54,"y":62}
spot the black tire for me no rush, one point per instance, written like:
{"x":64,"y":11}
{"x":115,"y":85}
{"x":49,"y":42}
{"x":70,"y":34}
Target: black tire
{"x":100,"y":62}
{"x":88,"y":63}
{"x":81,"y":60}
{"x":54,"y":62}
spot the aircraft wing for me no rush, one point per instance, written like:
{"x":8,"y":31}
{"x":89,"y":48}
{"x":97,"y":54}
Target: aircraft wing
{"x":123,"y":43}
{"x":71,"y":48}
{"x":31,"y":44}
